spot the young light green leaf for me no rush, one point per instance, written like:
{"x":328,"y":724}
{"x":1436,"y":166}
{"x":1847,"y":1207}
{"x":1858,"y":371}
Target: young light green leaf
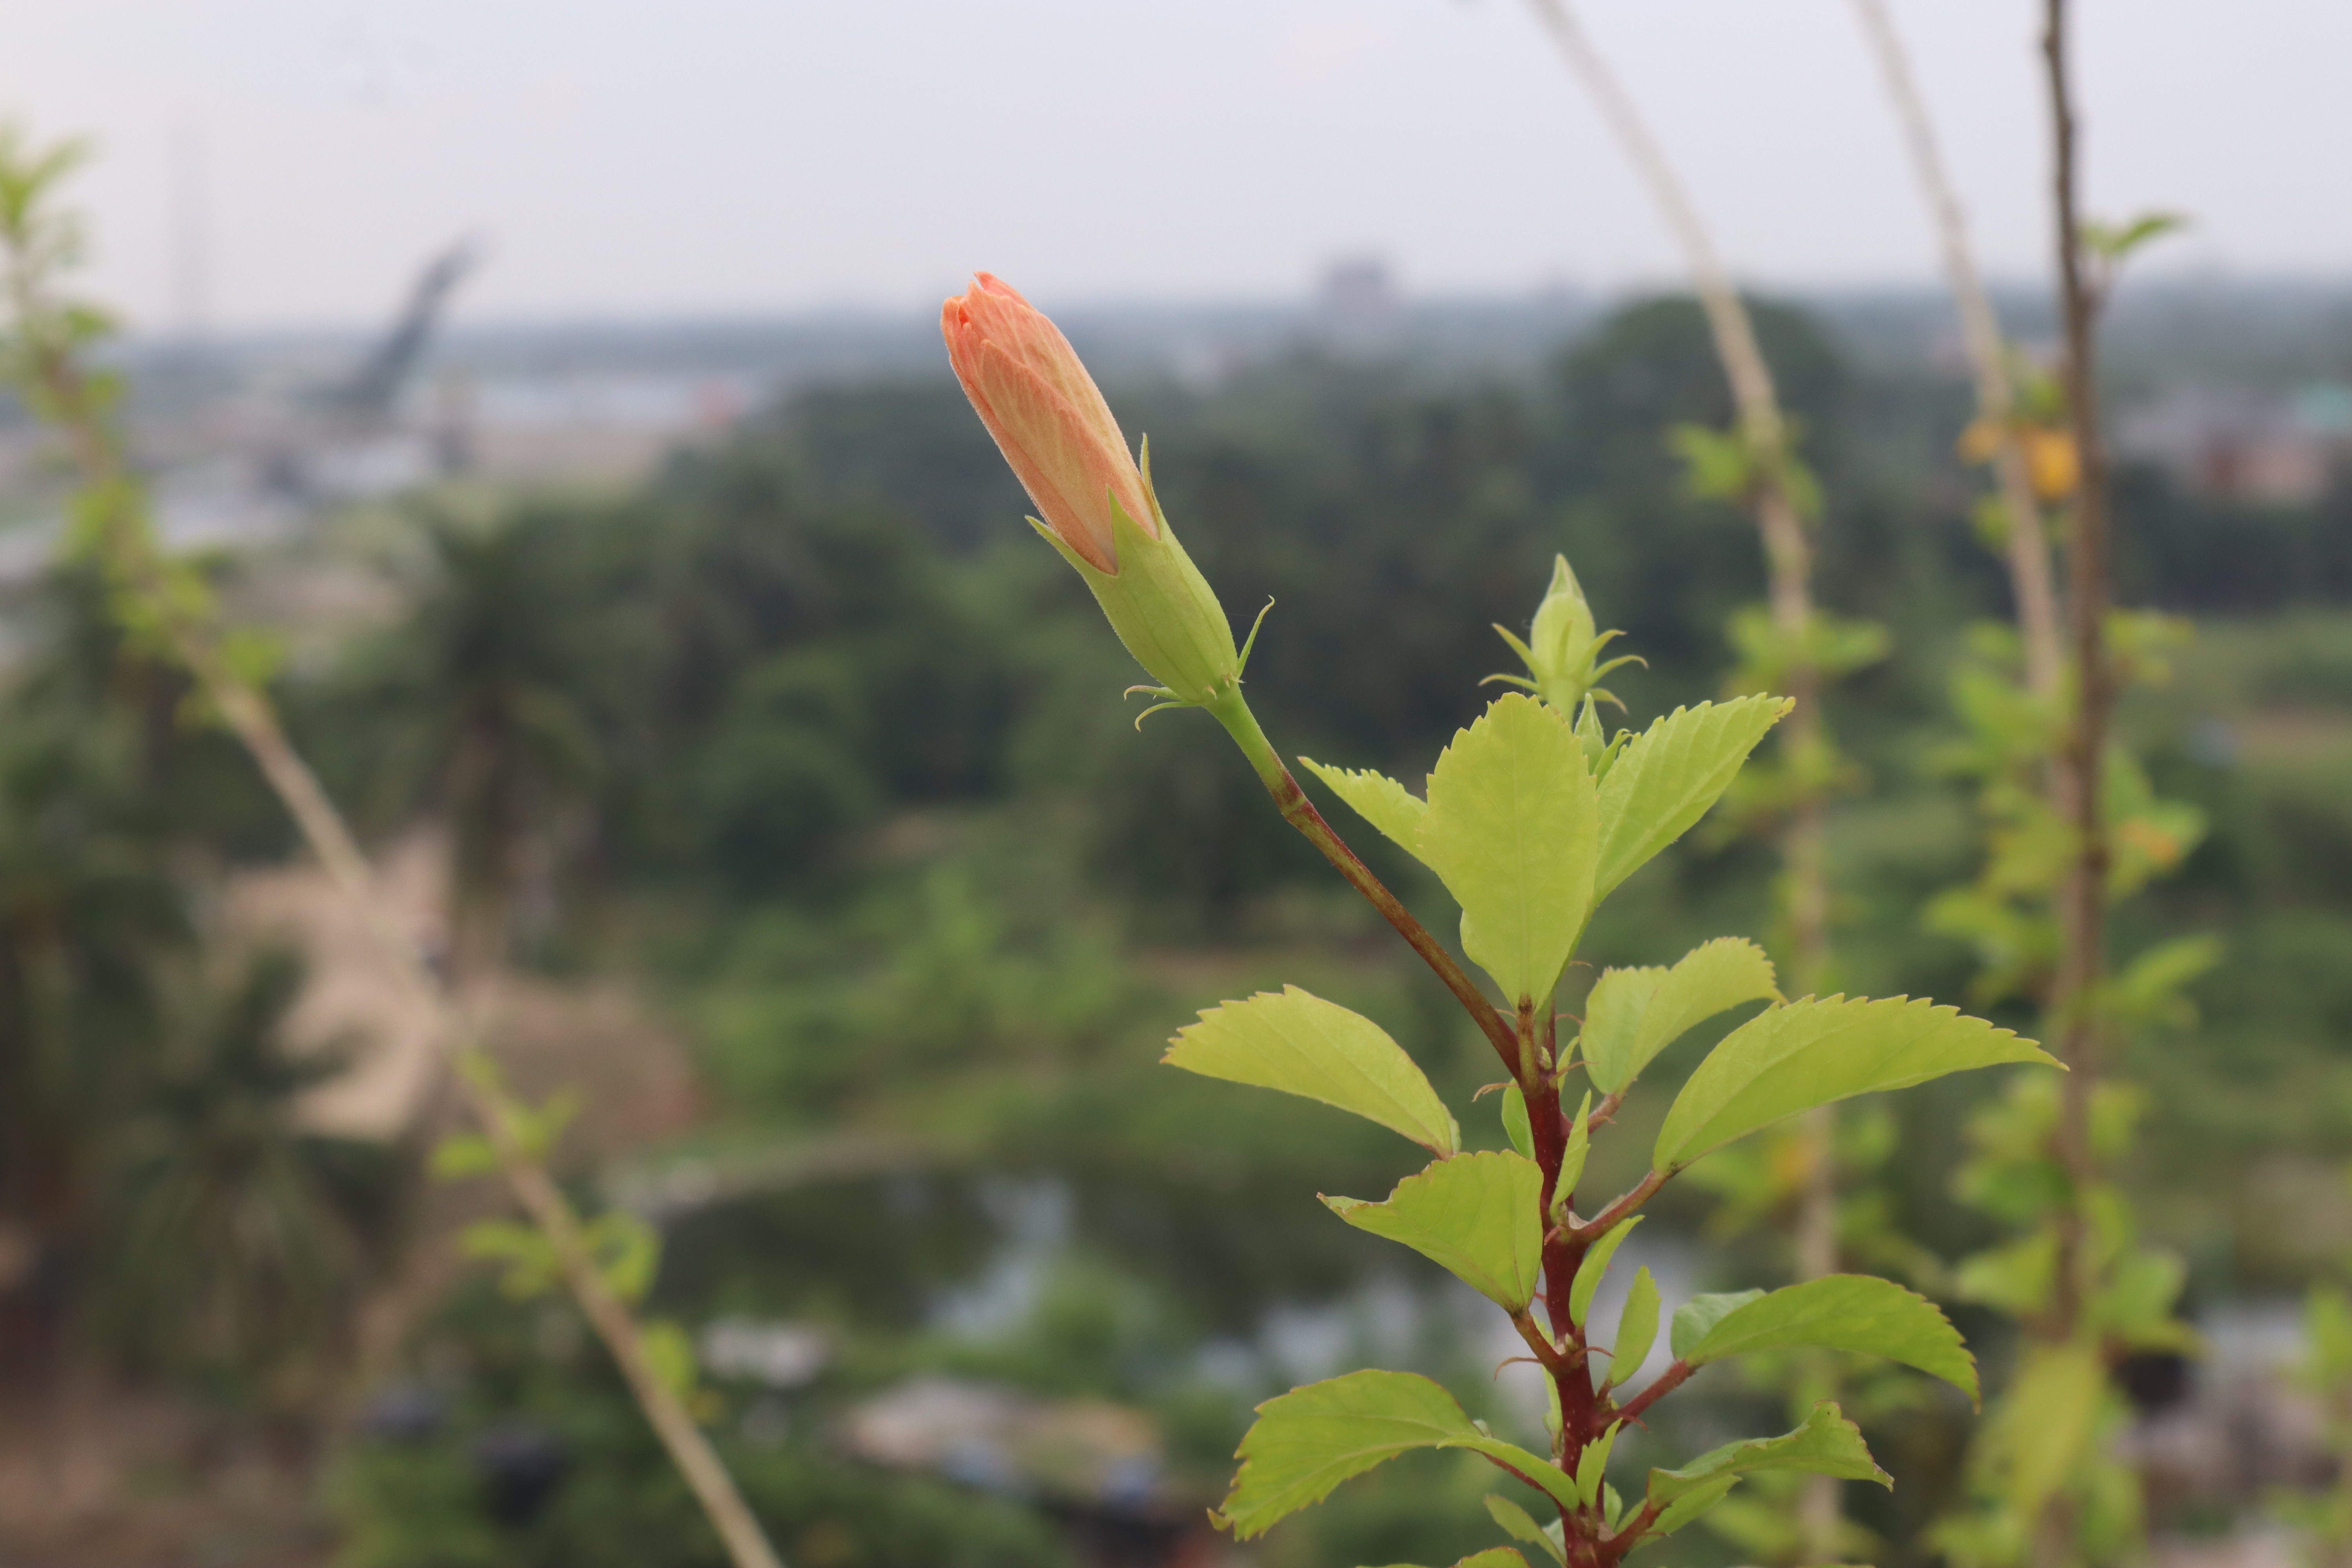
{"x":1665,"y":780}
{"x":1846,"y":1312}
{"x":2046,"y":1424}
{"x":1637,"y":1330}
{"x":1592,"y":1465}
{"x":1302,"y":1045}
{"x":1596,"y":1264}
{"x":2327,"y":1330}
{"x":1493,"y":1557}
{"x":1827,"y":1445}
{"x":1634,"y":1013}
{"x":1571,"y":1159}
{"x":669,"y":1350}
{"x":1690,"y":1505}
{"x":1512,"y":830}
{"x":1517,"y":1524}
{"x":1793,"y":1057}
{"x":1613,"y":1020}
{"x":1696,"y":1317}
{"x":1475,"y":1214}
{"x":1307,"y":1441}
{"x":462,"y":1155}
{"x":1590,"y":736}
{"x":628,"y":1251}
{"x":1379,"y":800}
{"x":1514,"y":1121}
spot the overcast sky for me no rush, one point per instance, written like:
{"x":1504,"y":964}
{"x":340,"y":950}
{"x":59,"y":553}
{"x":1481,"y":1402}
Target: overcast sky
{"x":667,"y":157}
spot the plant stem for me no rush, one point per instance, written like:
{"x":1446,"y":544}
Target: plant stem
{"x":2083,"y":898}
{"x":2028,"y":544}
{"x":1657,"y":1388}
{"x":1498,"y":1028}
{"x":127,"y":550}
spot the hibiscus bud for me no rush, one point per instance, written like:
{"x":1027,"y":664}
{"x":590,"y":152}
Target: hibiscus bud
{"x":1055,"y":429}
{"x":1562,"y":652}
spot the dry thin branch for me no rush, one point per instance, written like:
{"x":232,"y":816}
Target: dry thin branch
{"x":2082,"y":957}
{"x":2028,"y":544}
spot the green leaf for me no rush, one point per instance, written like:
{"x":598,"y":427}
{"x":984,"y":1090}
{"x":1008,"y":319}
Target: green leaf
{"x":1809,"y":1053}
{"x":1571,"y":1159}
{"x":1302,"y":1045}
{"x":1665,"y":780}
{"x":1592,"y":1465}
{"x":1493,"y":1557}
{"x":1307,"y":1441}
{"x":462,"y":1155}
{"x":1826,"y":1445}
{"x":1634,"y":1013}
{"x":1517,"y":1524}
{"x":1845,"y":1313}
{"x":536,"y":1131}
{"x":1476,"y":1215}
{"x":1379,"y":800}
{"x":1596,"y":1264}
{"x":1512,"y":830}
{"x":2112,"y":242}
{"x":528,"y":1255}
{"x":1696,"y":1316}
{"x":1514,"y":1121}
{"x":1637,"y":1330}
{"x":669,"y":1351}
{"x":2042,"y":1431}
{"x":627,"y":1250}
{"x":1690,"y":1505}
{"x":2134,"y":1306}
{"x":1590,"y":736}
{"x":2327,"y":1329}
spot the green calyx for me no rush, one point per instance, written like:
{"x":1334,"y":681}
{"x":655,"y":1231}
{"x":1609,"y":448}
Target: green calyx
{"x":1162,"y":607}
{"x":1562,"y":652}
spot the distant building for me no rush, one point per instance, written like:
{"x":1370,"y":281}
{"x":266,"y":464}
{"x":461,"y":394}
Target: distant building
{"x":1357,"y":305}
{"x":2237,"y":444}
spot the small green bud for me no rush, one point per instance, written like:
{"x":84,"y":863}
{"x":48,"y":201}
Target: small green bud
{"x":1563,"y":650}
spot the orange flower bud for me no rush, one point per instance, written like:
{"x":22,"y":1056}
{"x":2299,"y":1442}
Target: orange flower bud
{"x":1054,"y":428}
{"x":1049,"y":420}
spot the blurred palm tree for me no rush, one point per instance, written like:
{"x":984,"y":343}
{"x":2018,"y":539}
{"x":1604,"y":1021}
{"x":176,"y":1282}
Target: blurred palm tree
{"x":490,"y":691}
{"x":240,"y":1243}
{"x":87,"y":908}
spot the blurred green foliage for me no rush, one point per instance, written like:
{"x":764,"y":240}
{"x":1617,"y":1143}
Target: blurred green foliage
{"x":809,"y":737}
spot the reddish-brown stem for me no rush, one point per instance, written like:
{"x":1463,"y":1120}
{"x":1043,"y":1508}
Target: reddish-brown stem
{"x":1300,"y":813}
{"x":1549,"y":1356}
{"x":1624,"y":1204}
{"x":1658,"y":1387}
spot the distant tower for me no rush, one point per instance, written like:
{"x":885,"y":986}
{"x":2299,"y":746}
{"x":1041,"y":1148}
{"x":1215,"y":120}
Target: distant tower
{"x":1357,"y":305}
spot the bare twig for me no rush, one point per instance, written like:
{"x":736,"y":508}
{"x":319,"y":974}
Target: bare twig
{"x":2082,"y":899}
{"x":2028,"y":542}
